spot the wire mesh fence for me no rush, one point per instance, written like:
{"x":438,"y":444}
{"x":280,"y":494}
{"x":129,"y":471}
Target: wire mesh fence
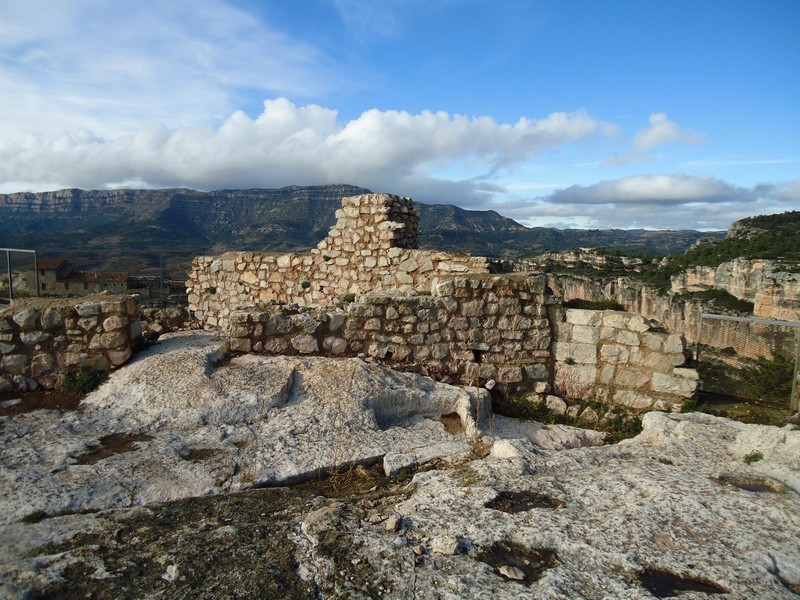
{"x":18,"y":276}
{"x":749,"y":358}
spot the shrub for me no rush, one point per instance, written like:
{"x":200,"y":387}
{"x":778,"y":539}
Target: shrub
{"x":305,"y":285}
{"x":753,"y":457}
{"x":83,"y":382}
{"x":594,"y":304}
{"x":768,"y":379}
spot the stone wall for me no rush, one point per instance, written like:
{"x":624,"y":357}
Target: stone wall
{"x":370,"y":249}
{"x":618,"y":358}
{"x":472,"y":328}
{"x":42,"y":341}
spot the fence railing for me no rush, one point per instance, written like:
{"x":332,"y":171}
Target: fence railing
{"x":747,"y":357}
{"x":19,"y":273}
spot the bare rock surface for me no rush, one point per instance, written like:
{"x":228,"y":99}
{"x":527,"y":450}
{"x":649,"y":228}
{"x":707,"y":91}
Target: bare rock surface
{"x":695,"y":505}
{"x":179,"y":421}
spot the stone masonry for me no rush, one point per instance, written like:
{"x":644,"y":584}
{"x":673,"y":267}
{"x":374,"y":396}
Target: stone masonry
{"x":42,"y":341}
{"x":372,"y":248}
{"x":474,"y":327}
{"x":618,"y":358}
{"x":365,"y":290}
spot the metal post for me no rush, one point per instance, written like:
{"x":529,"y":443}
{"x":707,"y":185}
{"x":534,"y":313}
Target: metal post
{"x":8,"y":265}
{"x":36,"y":271}
{"x":794,"y":400}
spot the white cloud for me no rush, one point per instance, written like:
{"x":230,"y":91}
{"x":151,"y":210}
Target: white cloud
{"x":654,"y":189}
{"x":288,"y":144}
{"x":662,"y":131}
{"x":110,"y":66}
{"x":656,"y":202}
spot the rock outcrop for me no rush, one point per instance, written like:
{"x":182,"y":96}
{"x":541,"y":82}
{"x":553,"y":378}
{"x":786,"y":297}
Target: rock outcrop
{"x":693,"y":503}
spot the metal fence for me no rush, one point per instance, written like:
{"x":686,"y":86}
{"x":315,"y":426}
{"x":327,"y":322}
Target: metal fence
{"x":750,"y":358}
{"x":19,"y":277}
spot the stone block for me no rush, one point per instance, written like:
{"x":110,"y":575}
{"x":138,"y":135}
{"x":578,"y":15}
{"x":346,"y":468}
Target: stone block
{"x":119,"y":357}
{"x":678,"y":386}
{"x":653,"y":340}
{"x":509,"y":374}
{"x":638,"y":323}
{"x":240,"y":344}
{"x":579,"y":316}
{"x":276,"y":345}
{"x":31,"y":338}
{"x":42,"y":364}
{"x":536,"y":372}
{"x":674,"y":344}
{"x":634,"y":400}
{"x":114,"y":339}
{"x":88,"y":309}
{"x":614,"y":354}
{"x":616,"y":319}
{"x":627,"y":338}
{"x":26,"y":319}
{"x":580,"y":353}
{"x":305,"y":344}
{"x":334,"y":345}
{"x":14,"y":363}
{"x":556,"y":404}
{"x":51,"y":318}
{"x":114,"y":322}
{"x":586,"y":334}
{"x":606,"y":374}
{"x":631,"y":378}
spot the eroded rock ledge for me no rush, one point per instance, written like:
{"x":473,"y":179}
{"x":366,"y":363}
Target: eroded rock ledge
{"x":695,"y":500}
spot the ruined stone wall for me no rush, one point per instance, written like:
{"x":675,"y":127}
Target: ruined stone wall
{"x":471,"y":328}
{"x":618,"y":358}
{"x":42,"y":341}
{"x":370,"y":249}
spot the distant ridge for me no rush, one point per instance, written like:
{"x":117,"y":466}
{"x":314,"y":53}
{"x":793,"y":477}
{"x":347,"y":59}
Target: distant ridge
{"x":188,"y":222}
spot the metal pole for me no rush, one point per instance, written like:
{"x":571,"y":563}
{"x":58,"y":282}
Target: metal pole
{"x":36,"y":270}
{"x":8,"y":265}
{"x":161,"y":274}
{"x":794,"y":400}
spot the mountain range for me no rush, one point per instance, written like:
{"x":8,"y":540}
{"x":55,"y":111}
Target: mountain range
{"x":126,"y":228}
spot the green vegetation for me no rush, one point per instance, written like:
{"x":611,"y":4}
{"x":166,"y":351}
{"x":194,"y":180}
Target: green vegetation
{"x":616,"y":424}
{"x":753,"y":457}
{"x":768,"y":379}
{"x":594,"y":304}
{"x":720,"y":300}
{"x":305,"y":285}
{"x":83,"y":382}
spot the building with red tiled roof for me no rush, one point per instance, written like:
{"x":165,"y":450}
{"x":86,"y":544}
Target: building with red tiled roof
{"x":57,"y":277}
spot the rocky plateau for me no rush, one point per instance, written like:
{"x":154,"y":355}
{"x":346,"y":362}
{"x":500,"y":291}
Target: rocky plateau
{"x":196,"y":473}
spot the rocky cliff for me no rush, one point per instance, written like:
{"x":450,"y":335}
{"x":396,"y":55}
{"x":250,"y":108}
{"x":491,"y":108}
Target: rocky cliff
{"x":774,"y":291}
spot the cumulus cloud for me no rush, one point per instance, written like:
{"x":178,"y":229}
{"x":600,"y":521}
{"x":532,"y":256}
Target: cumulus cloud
{"x":662,"y":131}
{"x":289,"y":144}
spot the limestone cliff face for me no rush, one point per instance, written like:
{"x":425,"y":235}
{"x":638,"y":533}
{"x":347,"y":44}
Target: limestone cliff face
{"x":774,"y":291}
{"x":677,"y":315}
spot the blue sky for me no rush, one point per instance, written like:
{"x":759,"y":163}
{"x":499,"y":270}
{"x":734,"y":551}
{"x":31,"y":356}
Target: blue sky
{"x":564,"y":113}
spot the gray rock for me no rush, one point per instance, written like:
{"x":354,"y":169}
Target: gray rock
{"x":26,"y":319}
{"x":512,"y":572}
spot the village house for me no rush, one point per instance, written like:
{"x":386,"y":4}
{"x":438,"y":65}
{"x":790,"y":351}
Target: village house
{"x":57,"y":277}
